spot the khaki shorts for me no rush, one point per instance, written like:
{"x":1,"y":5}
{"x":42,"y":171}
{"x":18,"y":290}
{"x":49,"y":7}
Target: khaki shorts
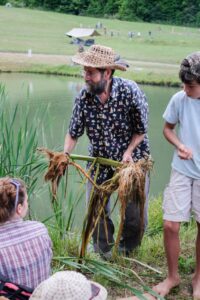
{"x":181,"y":197}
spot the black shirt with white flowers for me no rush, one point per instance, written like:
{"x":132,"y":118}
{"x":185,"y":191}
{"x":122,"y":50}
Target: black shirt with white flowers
{"x":110,"y":126}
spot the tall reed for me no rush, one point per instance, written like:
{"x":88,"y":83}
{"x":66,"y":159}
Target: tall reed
{"x":18,"y":142}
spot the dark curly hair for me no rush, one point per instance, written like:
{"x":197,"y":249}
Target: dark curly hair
{"x":190,"y":69}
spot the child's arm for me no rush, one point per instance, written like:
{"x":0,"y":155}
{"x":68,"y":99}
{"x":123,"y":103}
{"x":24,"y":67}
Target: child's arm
{"x":170,"y":134}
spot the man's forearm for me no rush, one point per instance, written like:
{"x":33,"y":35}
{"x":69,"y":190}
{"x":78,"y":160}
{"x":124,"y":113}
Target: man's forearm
{"x":135,"y":141}
{"x":70,"y":143}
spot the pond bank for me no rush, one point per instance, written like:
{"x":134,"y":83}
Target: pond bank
{"x":153,"y":73}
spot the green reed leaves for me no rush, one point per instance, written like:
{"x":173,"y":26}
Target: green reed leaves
{"x":18,"y":142}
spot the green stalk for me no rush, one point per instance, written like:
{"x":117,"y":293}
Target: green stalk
{"x":100,"y":160}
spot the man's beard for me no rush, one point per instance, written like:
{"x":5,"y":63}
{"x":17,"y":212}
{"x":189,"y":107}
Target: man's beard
{"x":96,"y":88}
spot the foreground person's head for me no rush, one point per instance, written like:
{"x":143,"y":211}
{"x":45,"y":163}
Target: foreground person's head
{"x":190,"y":74}
{"x":13,"y":199}
{"x":69,"y":285}
{"x":99,"y":63}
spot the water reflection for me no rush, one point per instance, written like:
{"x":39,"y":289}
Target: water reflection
{"x":56,"y":94}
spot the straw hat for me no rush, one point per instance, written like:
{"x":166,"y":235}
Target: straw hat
{"x":69,"y":285}
{"x":102,"y":57}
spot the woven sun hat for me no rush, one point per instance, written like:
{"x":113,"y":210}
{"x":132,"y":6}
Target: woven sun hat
{"x":102,"y":57}
{"x":69,"y":285}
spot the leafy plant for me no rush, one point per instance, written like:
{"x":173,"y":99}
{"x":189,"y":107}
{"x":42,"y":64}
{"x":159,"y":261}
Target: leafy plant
{"x":18,"y":142}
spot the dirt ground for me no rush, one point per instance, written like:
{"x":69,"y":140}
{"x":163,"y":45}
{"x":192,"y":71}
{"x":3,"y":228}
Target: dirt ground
{"x":14,"y":61}
{"x":10,"y":61}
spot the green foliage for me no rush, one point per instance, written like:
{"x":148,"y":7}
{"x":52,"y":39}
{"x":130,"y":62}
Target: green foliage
{"x":18,"y":143}
{"x":64,"y":210}
{"x":186,"y":265}
{"x":155,"y":225}
{"x":127,"y":10}
{"x":182,"y":12}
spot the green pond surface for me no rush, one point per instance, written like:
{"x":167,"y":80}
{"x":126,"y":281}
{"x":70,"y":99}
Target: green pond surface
{"x":56,"y":94}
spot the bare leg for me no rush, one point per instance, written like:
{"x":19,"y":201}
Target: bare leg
{"x":196,"y":278}
{"x":172,"y":249}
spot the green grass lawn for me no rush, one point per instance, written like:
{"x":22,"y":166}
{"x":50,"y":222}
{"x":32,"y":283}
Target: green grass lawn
{"x":154,"y":58}
{"x":44,"y":32}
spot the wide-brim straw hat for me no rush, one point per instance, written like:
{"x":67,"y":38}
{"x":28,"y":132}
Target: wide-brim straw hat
{"x":102,"y":57}
{"x":69,"y":285}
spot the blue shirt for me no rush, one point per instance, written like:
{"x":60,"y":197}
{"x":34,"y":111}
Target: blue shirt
{"x":110,"y":126}
{"x":186,"y":112}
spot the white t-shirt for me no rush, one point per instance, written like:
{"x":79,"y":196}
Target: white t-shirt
{"x":185,"y":112}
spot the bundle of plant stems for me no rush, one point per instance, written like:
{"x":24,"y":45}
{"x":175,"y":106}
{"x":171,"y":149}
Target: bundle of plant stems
{"x":128,"y":180}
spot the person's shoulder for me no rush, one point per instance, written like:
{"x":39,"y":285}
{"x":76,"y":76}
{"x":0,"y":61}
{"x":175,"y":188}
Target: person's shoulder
{"x":83,"y":94}
{"x":121,"y":80}
{"x":179,"y":95}
{"x":125,"y":83}
{"x":35,"y":225}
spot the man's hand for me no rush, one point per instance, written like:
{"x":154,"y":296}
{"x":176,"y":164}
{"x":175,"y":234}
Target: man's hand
{"x":184,"y":152}
{"x":127,"y":157}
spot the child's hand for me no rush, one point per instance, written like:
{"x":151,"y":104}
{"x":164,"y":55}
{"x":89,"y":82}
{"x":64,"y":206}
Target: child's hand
{"x":184,"y":152}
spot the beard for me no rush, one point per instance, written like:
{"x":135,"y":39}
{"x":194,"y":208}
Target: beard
{"x":96,"y":88}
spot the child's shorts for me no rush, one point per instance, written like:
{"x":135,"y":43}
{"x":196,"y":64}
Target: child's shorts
{"x":181,"y":197}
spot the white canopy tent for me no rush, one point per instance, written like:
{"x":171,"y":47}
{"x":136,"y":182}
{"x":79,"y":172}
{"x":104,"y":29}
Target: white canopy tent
{"x":82,"y":32}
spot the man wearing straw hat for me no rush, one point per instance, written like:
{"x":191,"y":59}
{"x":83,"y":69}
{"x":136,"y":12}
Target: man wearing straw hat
{"x":114,"y":112}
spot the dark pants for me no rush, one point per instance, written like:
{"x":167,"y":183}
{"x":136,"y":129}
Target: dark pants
{"x":131,"y":233}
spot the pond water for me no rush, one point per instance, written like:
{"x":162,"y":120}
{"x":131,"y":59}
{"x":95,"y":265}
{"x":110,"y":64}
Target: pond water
{"x":56,"y":94}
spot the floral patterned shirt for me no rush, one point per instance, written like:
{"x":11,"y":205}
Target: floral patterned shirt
{"x":110,"y":126}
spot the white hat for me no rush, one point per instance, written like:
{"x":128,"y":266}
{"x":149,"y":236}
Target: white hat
{"x":69,"y":285}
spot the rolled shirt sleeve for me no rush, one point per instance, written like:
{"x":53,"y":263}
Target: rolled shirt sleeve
{"x":139,"y":111}
{"x":171,"y":114}
{"x":77,"y":124}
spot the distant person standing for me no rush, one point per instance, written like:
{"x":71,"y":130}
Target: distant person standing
{"x":182,"y":195}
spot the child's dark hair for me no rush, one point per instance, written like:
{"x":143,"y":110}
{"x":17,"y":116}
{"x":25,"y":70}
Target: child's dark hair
{"x":190,"y":69}
{"x":8,"y":194}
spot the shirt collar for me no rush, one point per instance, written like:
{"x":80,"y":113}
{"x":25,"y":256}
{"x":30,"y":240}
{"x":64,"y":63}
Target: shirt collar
{"x":12,"y":222}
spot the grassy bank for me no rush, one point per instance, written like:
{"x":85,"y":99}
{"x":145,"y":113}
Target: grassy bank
{"x":154,"y":54}
{"x":143,"y":77}
{"x":18,"y":143}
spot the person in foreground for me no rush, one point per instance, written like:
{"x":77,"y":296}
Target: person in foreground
{"x":25,"y":246}
{"x":114,"y":112}
{"x":69,"y":285}
{"x":182,"y":195}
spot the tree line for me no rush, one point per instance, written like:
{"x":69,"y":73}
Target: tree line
{"x":178,"y":12}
